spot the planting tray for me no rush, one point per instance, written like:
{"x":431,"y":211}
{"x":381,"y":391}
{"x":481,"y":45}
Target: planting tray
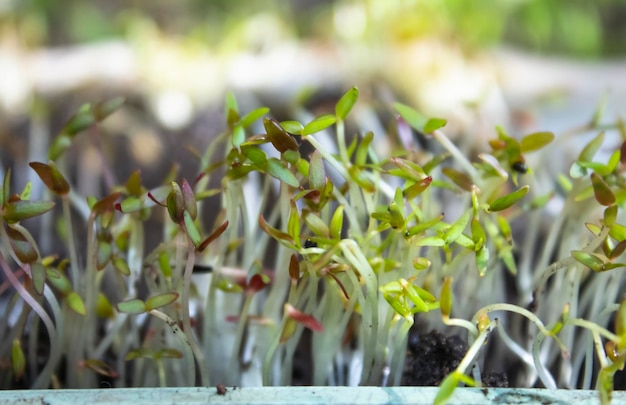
{"x":303,"y":395}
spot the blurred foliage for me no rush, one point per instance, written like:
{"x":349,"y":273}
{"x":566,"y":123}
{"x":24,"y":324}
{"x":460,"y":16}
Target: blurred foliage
{"x":578,"y":28}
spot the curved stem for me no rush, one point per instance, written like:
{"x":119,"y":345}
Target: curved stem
{"x":71,"y":244}
{"x":45,"y":318}
{"x":191,"y":255}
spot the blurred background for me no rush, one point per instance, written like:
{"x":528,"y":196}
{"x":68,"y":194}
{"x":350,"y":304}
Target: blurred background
{"x":523,"y":64}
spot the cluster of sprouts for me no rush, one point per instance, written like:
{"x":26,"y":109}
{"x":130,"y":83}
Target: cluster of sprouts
{"x":349,"y":244}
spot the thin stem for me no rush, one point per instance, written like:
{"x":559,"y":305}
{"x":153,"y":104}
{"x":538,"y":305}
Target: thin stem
{"x":567,"y":262}
{"x":204,"y":377}
{"x":456,"y":153}
{"x":71,"y":243}
{"x":45,"y":318}
{"x":241,"y":328}
{"x":191,"y":367}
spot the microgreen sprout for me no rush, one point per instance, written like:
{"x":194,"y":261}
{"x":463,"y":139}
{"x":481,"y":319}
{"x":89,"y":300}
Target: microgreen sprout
{"x":351,"y":246}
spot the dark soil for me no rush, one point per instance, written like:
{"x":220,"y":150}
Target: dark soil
{"x":432,"y":356}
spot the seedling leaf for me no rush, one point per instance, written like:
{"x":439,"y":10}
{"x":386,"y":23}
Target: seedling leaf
{"x":16,"y":211}
{"x":589,"y":151}
{"x":602,"y":192}
{"x":21,"y":245}
{"x":252,"y":116}
{"x":51,"y":177}
{"x":160,"y":300}
{"x":317,"y":175}
{"x":589,"y":259}
{"x":132,"y":306}
{"x":275,"y":168}
{"x":319,"y":124}
{"x":38,"y":272}
{"x":536,"y":141}
{"x":508,"y":200}
{"x":75,"y":302}
{"x":345,"y":103}
{"x":281,"y":140}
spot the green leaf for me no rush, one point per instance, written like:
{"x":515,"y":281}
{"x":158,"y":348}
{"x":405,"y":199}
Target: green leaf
{"x":76,"y":303}
{"x":105,"y":108}
{"x":363,"y":149}
{"x":417,"y":120}
{"x":104,"y":253}
{"x":292,"y":156}
{"x":336,"y":223}
{"x":416,"y":189}
{"x":168,"y":354}
{"x":231,"y":109}
{"x":18,"y":360}
{"x":412,"y":117}
{"x":26,"y":192}
{"x":446,"y":298}
{"x":273,"y":232}
{"x":175,"y":203}
{"x":423,"y":226}
{"x":451,"y":234}
{"x":446,"y":388}
{"x":160,"y":300}
{"x":16,"y":211}
{"x":121,"y":266}
{"x":478,"y":233}
{"x":103,"y":307}
{"x":610,"y":215}
{"x":434,"y":124}
{"x":164,"y":264}
{"x":228,"y":286}
{"x":618,"y":232}
{"x":345,"y":103}
{"x":132,"y":306}
{"x":602,"y":192}
{"x":293,"y":223}
{"x":191,"y":229}
{"x":407,"y":170}
{"x":421,"y":263}
{"x":317,"y":174}
{"x":319,"y":124}
{"x":38,"y":272}
{"x":239,"y":135}
{"x":431,"y":241}
{"x":133,"y":184}
{"x":316,"y":225}
{"x":577,"y":171}
{"x":589,"y":151}
{"x":482,"y":260}
{"x":508,"y":200}
{"x":275,"y":168}
{"x":252,"y":116}
{"x":80,"y":121}
{"x":51,"y":177}
{"x":6,"y":187}
{"x":59,"y":145}
{"x":293,"y":127}
{"x":59,"y":281}
{"x":536,"y":141}
{"x":590,"y":260}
